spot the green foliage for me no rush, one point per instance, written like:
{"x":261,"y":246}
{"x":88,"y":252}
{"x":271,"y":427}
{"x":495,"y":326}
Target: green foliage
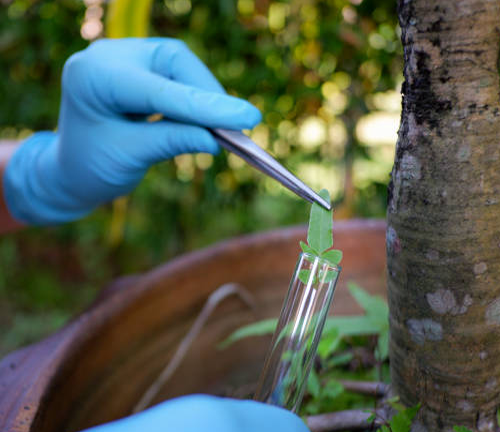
{"x":461,"y":429}
{"x":308,"y":249}
{"x":315,"y":70}
{"x":340,"y":334}
{"x":334,"y":256}
{"x":374,"y":322}
{"x":260,"y":328}
{"x":320,"y":235}
{"x":401,"y":421}
{"x":36,"y":39}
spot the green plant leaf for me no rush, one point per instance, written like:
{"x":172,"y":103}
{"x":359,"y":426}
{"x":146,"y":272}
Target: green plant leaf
{"x":308,"y":249}
{"x":313,"y":384}
{"x":340,"y":359}
{"x":334,"y":256}
{"x":304,"y":275}
{"x":373,"y":305}
{"x":351,"y":325}
{"x":383,"y":345}
{"x":333,"y":389}
{"x":461,"y":429}
{"x":377,"y":312}
{"x":395,"y":404}
{"x":259,"y":328}
{"x":320,"y":233}
{"x":401,"y":422}
{"x":371,"y":418}
{"x":329,"y":342}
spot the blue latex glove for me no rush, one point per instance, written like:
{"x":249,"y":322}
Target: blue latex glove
{"x":99,"y":153}
{"x":199,"y":413}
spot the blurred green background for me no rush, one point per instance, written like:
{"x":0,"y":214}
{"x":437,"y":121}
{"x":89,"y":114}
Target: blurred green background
{"x":325,"y":74}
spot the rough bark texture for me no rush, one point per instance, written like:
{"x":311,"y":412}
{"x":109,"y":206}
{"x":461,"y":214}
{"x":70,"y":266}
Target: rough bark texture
{"x":443,"y":234}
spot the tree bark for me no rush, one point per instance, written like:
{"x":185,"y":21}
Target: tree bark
{"x":443,"y":234}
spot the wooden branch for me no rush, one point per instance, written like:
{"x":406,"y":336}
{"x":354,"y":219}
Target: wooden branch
{"x":213,"y":301}
{"x":348,"y":420}
{"x":368,"y":388}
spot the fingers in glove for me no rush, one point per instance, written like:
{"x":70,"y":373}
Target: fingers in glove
{"x":173,"y":59}
{"x":155,"y":142}
{"x":141,"y":91}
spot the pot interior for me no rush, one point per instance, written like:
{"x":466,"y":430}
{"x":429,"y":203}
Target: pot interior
{"x":120,"y":345}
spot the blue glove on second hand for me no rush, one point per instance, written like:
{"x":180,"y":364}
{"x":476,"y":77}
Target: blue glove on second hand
{"x":99,"y":153}
{"x":199,"y":413}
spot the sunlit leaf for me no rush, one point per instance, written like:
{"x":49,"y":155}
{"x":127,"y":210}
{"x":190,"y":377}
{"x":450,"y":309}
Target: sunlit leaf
{"x":320,"y":233}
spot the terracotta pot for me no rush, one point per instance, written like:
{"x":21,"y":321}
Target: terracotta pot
{"x":96,"y":368}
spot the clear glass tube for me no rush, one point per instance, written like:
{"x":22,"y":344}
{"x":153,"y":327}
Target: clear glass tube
{"x":295,"y":341}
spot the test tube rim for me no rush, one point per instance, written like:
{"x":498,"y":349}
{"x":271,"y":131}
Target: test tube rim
{"x":322,"y":261}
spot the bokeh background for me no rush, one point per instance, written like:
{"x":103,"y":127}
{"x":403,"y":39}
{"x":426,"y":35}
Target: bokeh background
{"x":326,"y":75}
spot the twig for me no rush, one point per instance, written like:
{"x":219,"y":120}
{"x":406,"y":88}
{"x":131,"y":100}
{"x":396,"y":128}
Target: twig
{"x":213,"y":301}
{"x":348,"y":420}
{"x":375,"y":389}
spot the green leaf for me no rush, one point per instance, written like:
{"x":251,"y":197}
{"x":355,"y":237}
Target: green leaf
{"x":383,"y":345}
{"x":377,"y":312}
{"x":340,"y":359}
{"x":461,"y":429}
{"x":334,"y":256}
{"x":333,"y":389}
{"x":371,"y":418}
{"x":412,"y":411}
{"x":373,"y":305}
{"x":304,"y":275}
{"x":313,"y":384}
{"x":320,"y":233}
{"x":329,"y":342}
{"x":395,"y":403}
{"x":401,"y":422}
{"x":328,"y":277}
{"x":351,"y":325}
{"x":308,"y":249}
{"x":259,"y":328}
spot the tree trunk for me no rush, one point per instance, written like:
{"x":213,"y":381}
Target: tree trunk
{"x":443,"y":234}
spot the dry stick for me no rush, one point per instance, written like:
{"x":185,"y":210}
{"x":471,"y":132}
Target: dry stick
{"x":375,"y":389}
{"x":213,"y":301}
{"x":347,"y":420}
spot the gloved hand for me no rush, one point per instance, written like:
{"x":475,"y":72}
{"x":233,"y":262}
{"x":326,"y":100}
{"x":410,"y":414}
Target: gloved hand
{"x":199,"y":413}
{"x":99,"y":152}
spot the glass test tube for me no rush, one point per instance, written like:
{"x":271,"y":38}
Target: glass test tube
{"x":295,"y":341}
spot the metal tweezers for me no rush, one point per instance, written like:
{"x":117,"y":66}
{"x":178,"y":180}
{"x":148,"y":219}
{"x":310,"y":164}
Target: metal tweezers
{"x":239,"y":144}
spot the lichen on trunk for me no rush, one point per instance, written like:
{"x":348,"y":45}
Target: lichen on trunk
{"x":443,"y":233}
